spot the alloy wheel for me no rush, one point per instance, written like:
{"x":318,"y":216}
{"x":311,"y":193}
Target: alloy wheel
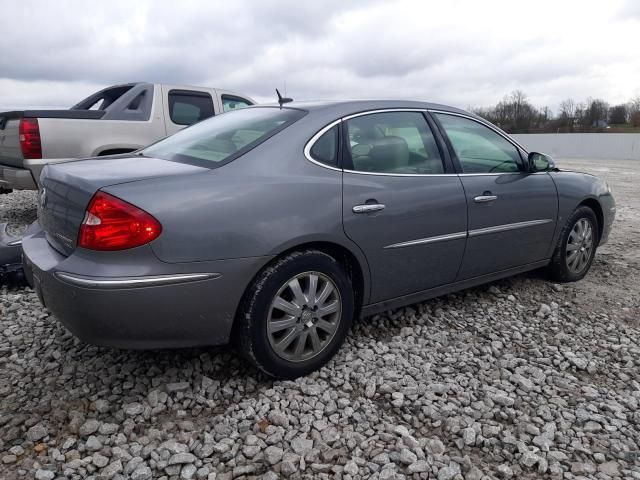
{"x":304,"y":316}
{"x":579,"y":246}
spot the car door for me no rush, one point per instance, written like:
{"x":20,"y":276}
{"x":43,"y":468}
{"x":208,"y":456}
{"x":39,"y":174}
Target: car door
{"x":512,"y":213}
{"x":402,"y":204}
{"x":184,"y":107}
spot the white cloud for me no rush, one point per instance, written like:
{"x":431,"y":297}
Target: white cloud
{"x":464,"y":53}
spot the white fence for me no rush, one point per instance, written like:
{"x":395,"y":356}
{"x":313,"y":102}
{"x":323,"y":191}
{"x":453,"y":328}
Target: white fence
{"x":613,"y":146}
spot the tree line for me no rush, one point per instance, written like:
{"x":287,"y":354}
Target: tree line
{"x":515,"y":114}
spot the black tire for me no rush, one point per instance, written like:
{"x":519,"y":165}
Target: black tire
{"x":250,"y":332}
{"x":559,"y":269}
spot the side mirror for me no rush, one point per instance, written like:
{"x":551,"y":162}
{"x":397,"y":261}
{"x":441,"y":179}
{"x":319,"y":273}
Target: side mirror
{"x":539,"y":162}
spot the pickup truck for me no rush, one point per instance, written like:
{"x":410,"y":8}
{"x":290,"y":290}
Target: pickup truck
{"x":118,"y":119}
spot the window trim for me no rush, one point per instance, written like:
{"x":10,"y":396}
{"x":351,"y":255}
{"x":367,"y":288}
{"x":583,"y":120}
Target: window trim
{"x":338,"y":145}
{"x":439,"y":136}
{"x":191,"y":93}
{"x":454,"y":156}
{"x":309,"y":145}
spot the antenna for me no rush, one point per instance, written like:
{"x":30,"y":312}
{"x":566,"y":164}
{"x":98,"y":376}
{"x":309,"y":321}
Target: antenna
{"x":282,"y":100}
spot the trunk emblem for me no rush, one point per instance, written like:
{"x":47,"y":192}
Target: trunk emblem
{"x":65,"y":240}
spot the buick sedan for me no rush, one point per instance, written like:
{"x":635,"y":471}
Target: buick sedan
{"x":273,"y":227}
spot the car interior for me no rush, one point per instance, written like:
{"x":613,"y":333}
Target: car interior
{"x":388,"y":143}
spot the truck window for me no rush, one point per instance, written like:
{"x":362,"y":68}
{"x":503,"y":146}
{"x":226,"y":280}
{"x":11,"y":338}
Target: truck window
{"x":230,"y":102}
{"x":187,"y":107}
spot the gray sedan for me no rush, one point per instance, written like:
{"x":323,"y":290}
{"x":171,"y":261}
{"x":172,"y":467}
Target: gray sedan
{"x":275,"y":226}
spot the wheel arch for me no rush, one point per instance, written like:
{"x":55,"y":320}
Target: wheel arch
{"x":594,"y":205}
{"x":349,"y":257}
{"x":357,"y":271}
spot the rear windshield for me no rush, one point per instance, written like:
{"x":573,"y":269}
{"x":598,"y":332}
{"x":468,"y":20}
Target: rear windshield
{"x":220,"y":139}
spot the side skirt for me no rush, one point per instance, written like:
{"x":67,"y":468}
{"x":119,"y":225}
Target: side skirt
{"x":368,"y":310}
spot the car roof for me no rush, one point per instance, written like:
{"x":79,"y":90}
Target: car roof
{"x":345,"y":107}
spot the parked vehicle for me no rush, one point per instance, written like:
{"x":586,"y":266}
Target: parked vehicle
{"x":275,"y":226}
{"x":116,"y":120}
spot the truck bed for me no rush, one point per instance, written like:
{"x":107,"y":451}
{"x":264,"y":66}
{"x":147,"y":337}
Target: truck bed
{"x":10,"y":152}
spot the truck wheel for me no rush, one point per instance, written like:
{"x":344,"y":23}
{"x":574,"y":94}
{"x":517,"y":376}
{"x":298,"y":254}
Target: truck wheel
{"x":576,"y":247}
{"x":296,"y":315}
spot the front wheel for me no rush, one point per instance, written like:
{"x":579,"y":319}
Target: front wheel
{"x":576,"y":247}
{"x":295,"y":316}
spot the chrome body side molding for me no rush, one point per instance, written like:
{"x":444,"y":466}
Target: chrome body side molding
{"x":471,"y":233}
{"x":508,"y":226}
{"x":130,"y":282}
{"x":423,"y":241}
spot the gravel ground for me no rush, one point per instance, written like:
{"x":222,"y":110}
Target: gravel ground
{"x":518,"y":379}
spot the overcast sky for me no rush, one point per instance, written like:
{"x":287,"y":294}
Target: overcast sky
{"x":463,"y":53}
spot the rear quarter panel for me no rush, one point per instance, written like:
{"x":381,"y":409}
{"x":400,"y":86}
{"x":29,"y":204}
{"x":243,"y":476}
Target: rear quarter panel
{"x":265,"y":202}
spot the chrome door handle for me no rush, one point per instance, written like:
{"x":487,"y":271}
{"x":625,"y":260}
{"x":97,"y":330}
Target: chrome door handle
{"x":485,"y":198}
{"x":368,"y":208}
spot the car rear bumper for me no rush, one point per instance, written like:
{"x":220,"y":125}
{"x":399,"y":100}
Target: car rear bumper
{"x":193,"y":306}
{"x":17,"y":178}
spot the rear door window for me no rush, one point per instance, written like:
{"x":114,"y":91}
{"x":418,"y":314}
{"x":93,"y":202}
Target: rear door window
{"x":393,"y":142}
{"x":188,"y":107}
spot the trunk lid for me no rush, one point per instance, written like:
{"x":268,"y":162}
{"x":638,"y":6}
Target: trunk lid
{"x":68,"y":187}
{"x":10,"y":152}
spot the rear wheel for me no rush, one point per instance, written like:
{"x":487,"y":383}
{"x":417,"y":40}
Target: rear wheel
{"x":576,"y":246}
{"x":296,"y":314}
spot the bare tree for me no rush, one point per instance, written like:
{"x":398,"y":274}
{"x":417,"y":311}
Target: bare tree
{"x":568,"y":108}
{"x":596,"y":113}
{"x":515,"y":114}
{"x":634,"y":111}
{"x":545,"y":114}
{"x":580,"y":113}
{"x":618,"y":114}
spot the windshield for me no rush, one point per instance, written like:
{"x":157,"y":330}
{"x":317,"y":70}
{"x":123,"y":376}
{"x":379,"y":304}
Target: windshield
{"x":218,"y":140}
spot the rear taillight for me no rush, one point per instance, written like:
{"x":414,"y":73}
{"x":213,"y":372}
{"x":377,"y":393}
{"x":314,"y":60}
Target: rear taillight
{"x":113,"y":224}
{"x":29,"y":132}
